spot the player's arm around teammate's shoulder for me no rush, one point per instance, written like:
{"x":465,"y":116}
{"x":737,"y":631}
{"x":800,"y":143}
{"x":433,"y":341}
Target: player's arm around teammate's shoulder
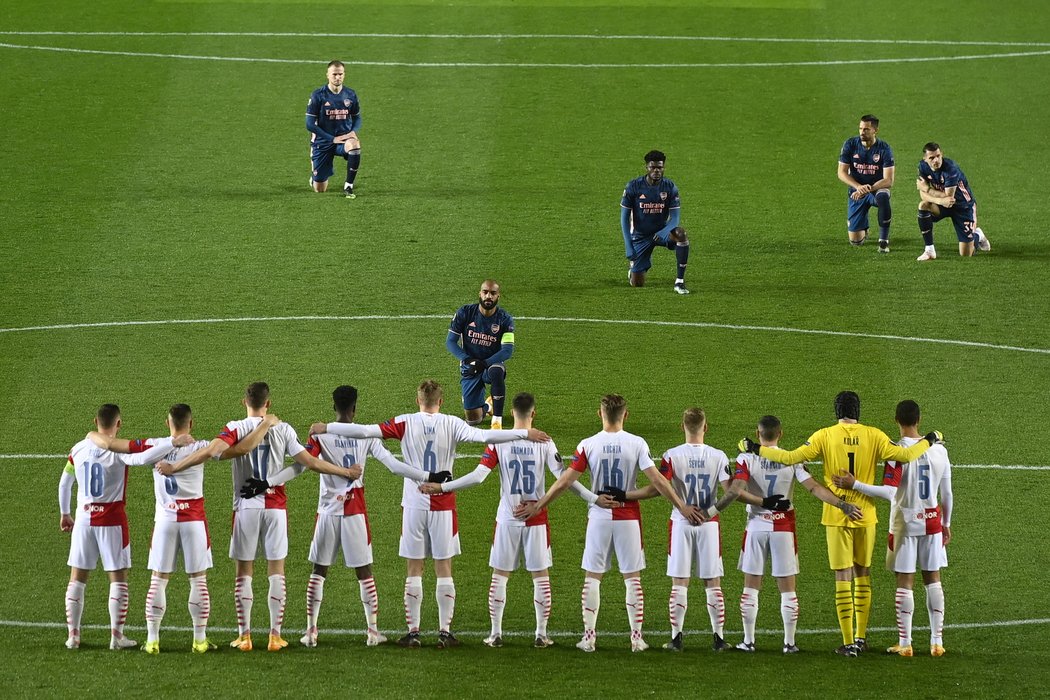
{"x":809,"y":450}
{"x":887,"y":450}
{"x":250,"y":441}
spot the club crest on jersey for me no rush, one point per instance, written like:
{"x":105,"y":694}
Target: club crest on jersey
{"x":495,"y":328}
{"x":346,"y":103}
{"x":663,"y":196}
{"x":876,"y":157}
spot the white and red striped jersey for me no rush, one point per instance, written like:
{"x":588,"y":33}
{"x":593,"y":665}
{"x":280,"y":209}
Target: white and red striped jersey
{"x":428,"y":441}
{"x":263,"y":462}
{"x":102,"y":476}
{"x":614,"y":458}
{"x":521,"y":476}
{"x":915,"y":510}
{"x":180,"y":497}
{"x":695,"y":472}
{"x":768,"y":478}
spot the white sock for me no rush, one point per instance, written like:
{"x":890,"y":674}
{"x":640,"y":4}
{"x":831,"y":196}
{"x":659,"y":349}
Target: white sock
{"x":789,"y":614}
{"x":314,"y":596}
{"x":497,"y":602}
{"x":370,"y":602}
{"x":749,"y":613}
{"x":200,"y":607}
{"x":635,"y":606}
{"x":74,"y":607}
{"x":716,"y":610}
{"x":276,"y":601}
{"x":446,"y":600}
{"x":676,"y":608}
{"x":242,"y":602}
{"x":935,"y":606}
{"x":118,"y":608}
{"x":591,"y":600}
{"x":905,"y":613}
{"x":413,"y":601}
{"x":931,"y":250}
{"x":156,"y":605}
{"x":541,"y":600}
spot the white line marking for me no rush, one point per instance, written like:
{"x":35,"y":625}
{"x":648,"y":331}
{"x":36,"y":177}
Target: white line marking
{"x":555,"y":319}
{"x":574,"y":37}
{"x":1001,"y":467}
{"x":469,"y":64}
{"x":393,"y":633}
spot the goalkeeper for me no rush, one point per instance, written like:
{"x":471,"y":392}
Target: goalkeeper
{"x":481,"y":337}
{"x":854,"y":448}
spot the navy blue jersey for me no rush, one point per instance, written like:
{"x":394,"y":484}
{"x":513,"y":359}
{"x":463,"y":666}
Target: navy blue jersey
{"x":335,"y":112}
{"x":948,"y":176}
{"x":650,"y":205}
{"x":482,"y":335}
{"x":866,"y":164}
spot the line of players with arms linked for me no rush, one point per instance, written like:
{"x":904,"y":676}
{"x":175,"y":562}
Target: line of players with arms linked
{"x":917,"y":472}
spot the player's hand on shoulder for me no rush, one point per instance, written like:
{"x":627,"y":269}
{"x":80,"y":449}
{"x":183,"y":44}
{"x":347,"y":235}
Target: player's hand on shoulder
{"x":65,"y":524}
{"x":537,"y":435}
{"x":749,"y":445}
{"x":182,"y":440}
{"x":270,"y":420}
{"x":934,"y":437}
{"x":97,"y":438}
{"x":318,"y":428}
{"x":844,"y":481}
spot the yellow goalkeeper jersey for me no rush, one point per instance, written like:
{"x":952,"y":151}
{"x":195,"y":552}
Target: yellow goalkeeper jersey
{"x":853,"y":448}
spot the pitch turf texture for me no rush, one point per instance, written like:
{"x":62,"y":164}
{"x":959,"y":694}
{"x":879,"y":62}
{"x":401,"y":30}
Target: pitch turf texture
{"x":143,"y":188}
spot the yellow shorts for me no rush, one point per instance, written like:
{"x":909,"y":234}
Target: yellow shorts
{"x":848,"y":546}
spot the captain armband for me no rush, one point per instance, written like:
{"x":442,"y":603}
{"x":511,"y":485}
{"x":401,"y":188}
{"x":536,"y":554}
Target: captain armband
{"x":507,"y":339}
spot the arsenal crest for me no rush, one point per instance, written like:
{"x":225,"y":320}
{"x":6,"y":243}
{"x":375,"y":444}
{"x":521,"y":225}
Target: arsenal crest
{"x":495,"y":328}
{"x":663,"y":196}
{"x":876,"y":157}
{"x":346,"y":103}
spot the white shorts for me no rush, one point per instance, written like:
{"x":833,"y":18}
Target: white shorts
{"x":429,"y":533}
{"x":511,"y":543}
{"x":925,"y":552}
{"x":89,"y":542}
{"x":694,"y":550}
{"x":190,"y":536}
{"x":604,"y":536}
{"x":252,"y":524}
{"x":760,"y":547}
{"x":350,"y":532}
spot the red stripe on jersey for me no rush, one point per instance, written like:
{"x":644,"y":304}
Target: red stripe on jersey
{"x":742,"y":472}
{"x":628,"y":511}
{"x":392,"y":430}
{"x":139,"y":445}
{"x":313,"y":446}
{"x":443,"y":501}
{"x":106,"y":513}
{"x":455,"y":521}
{"x":889,"y":541}
{"x":490,"y":459}
{"x":892,"y":475}
{"x":189,"y":510}
{"x":666,"y":469}
{"x":579,"y":461}
{"x":354,"y":504}
{"x":229,"y":436}
{"x":783,"y":521}
{"x":207,"y":534}
{"x":538,"y":519}
{"x":276,"y":498}
{"x":933,"y":520}
{"x":670,"y":532}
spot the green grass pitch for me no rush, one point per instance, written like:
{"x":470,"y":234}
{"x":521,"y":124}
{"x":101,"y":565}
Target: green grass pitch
{"x":140,"y":184}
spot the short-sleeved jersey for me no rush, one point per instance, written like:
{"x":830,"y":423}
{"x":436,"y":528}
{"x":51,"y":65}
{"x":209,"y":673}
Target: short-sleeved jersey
{"x":767,"y":478}
{"x":650,"y":205}
{"x":948,"y":176}
{"x":915,"y":510}
{"x":266,"y":460}
{"x":695,"y":472}
{"x":866,"y":165}
{"x":180,"y":497}
{"x":848,"y":447}
{"x":521,"y":476}
{"x":482,"y":335}
{"x":614,"y":458}
{"x":334,"y":111}
{"x":335,"y":491}
{"x":428,"y":442}
{"x":102,"y":476}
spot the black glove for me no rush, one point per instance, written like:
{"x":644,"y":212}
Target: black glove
{"x":439,"y":477}
{"x":617,"y":494}
{"x":749,"y":445}
{"x":253,"y":487}
{"x":776,"y":502}
{"x":471,"y":367}
{"x":934,"y":437}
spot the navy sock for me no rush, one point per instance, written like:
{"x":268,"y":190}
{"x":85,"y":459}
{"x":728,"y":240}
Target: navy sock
{"x":681,"y":254}
{"x":882,"y":201}
{"x":926,"y":226}
{"x":498,"y":383}
{"x":353,"y":161}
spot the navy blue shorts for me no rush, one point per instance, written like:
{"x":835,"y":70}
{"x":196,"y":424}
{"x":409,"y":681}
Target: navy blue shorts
{"x":642,"y":250}
{"x":474,"y":388}
{"x":965,"y":221}
{"x":857,"y":212}
{"x":322,"y":158}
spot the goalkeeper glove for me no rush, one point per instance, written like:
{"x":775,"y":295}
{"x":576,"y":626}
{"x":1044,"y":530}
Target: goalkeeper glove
{"x":776,"y":503}
{"x":617,"y":494}
{"x":439,"y":477}
{"x":749,"y":445}
{"x":471,"y":367}
{"x":934,"y":437}
{"x":253,"y":487}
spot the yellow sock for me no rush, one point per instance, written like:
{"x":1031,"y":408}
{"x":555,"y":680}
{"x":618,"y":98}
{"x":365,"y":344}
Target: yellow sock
{"x":862,"y":603}
{"x":844,"y":608}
